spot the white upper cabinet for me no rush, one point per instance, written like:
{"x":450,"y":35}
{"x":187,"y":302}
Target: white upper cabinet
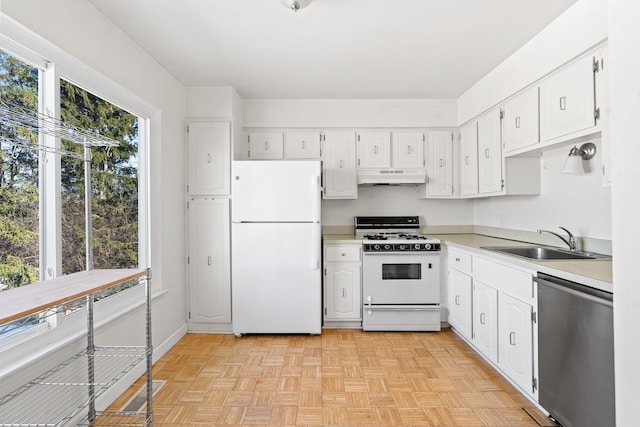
{"x":469,"y":159}
{"x":209,"y":161}
{"x":374,"y":149}
{"x":302,"y":144}
{"x":408,"y":150}
{"x":440,"y":164}
{"x":339,"y":165}
{"x":266,"y":146}
{"x":602,"y":104}
{"x":490,"y":152}
{"x":567,"y":100}
{"x":521,"y":121}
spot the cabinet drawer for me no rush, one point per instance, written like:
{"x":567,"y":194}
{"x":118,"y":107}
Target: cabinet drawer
{"x":459,"y":260}
{"x":342,"y":253}
{"x":516,"y":283}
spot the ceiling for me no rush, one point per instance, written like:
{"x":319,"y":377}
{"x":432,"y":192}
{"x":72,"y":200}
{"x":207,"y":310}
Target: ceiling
{"x":342,"y":49}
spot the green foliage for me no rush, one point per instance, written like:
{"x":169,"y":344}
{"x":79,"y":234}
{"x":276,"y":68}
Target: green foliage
{"x":114,"y":184}
{"x":18,"y":180}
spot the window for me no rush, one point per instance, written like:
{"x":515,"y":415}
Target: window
{"x":114,"y":184}
{"x":19,"y":195}
{"x":32,"y":210}
{"x":19,"y":214}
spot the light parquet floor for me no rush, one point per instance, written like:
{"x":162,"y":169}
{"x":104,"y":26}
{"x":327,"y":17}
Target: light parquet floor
{"x":344,"y":377}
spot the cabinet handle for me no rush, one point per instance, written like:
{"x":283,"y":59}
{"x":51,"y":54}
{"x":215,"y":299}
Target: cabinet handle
{"x":209,"y":260}
{"x":266,"y":145}
{"x":341,"y":164}
{"x":518,"y":122}
{"x":304,"y":145}
{"x":457,"y":259}
{"x":563,"y":103}
{"x":208,"y":158}
{"x":375,"y":149}
{"x":441,"y":163}
{"x":486,"y":153}
{"x":409,"y":149}
{"x":344,"y":292}
{"x":466,"y":160}
{"x":512,"y":338}
{"x":343,"y":254}
{"x":483,"y":318}
{"x":457,"y":300}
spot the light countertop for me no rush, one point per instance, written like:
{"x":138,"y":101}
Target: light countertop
{"x":594,"y":273}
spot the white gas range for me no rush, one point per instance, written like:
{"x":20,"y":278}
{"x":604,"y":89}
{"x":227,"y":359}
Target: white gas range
{"x":400,"y":275}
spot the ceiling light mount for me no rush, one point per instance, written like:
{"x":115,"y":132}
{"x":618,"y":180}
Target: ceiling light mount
{"x":295,"y":5}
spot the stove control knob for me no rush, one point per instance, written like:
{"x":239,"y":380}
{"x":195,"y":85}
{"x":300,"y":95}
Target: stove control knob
{"x":387,"y":247}
{"x":417,"y":246}
{"x":427,"y":246}
{"x":376,"y":247}
{"x":401,"y":247}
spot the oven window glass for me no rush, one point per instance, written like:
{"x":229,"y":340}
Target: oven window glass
{"x":401,"y":271}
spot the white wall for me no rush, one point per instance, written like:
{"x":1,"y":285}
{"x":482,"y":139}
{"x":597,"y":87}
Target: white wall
{"x":397,"y":200}
{"x":578,"y":202}
{"x":349,"y":113}
{"x":582,"y":26}
{"x":82,"y":41}
{"x":624,"y":58}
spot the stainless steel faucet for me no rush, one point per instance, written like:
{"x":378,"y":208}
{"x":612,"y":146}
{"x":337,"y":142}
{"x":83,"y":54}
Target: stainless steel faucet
{"x":571,"y":242}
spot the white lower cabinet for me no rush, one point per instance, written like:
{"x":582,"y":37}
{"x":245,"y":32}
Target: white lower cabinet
{"x":459,"y":301}
{"x":342,"y":285}
{"x":516,"y":341}
{"x":209,"y":263}
{"x":492,"y":305}
{"x":485,"y":320}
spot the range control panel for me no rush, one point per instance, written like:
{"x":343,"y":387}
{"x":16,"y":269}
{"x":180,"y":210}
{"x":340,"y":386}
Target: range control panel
{"x":401,"y":247}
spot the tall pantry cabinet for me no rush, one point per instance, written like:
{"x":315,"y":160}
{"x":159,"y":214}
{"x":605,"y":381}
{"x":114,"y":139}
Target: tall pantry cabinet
{"x":208,"y":257}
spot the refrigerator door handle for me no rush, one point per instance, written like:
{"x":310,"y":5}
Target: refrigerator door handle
{"x":315,"y":191}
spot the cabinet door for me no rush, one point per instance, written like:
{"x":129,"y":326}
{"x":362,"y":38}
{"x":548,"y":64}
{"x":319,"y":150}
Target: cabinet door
{"x":374,"y":149}
{"x":408,"y":150}
{"x":516,"y":341}
{"x":343,"y":299}
{"x":440,"y":170}
{"x":209,"y":147}
{"x":265,"y":146}
{"x":490,"y":152}
{"x":302,"y":145}
{"x":460,"y":302}
{"x":339,"y":165}
{"x":567,"y":100}
{"x":485,"y":320}
{"x":209,"y":261}
{"x":469,"y":159}
{"x":521,"y":121}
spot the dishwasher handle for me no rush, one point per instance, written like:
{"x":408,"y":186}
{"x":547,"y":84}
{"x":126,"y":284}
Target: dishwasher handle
{"x":576,"y":289}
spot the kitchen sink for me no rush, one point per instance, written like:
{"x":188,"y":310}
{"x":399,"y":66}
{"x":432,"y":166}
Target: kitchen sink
{"x":545,"y":253}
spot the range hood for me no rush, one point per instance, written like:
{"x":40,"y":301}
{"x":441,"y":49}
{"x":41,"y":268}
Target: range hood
{"x":392,"y":176}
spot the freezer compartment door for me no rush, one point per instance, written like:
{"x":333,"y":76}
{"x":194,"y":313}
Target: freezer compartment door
{"x":276,"y":191}
{"x":276,"y":278}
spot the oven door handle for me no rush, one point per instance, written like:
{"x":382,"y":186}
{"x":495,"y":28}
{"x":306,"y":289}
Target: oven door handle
{"x":434,"y":307}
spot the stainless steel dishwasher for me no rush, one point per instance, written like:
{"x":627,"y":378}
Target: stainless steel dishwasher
{"x":575,"y":353}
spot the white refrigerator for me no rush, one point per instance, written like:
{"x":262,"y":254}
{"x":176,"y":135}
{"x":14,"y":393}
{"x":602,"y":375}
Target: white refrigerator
{"x":275,"y":247}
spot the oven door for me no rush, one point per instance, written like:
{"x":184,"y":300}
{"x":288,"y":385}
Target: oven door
{"x":401,"y":278}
